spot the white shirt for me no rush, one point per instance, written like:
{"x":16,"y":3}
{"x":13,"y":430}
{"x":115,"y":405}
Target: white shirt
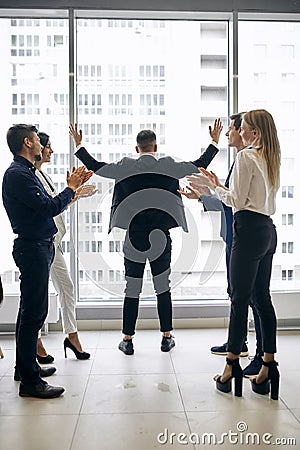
{"x":59,"y":220}
{"x":249,"y":186}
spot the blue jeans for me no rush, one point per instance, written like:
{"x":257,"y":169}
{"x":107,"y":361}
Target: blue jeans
{"x":33,"y":258}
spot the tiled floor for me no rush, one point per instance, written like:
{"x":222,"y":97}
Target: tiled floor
{"x":118,"y":402}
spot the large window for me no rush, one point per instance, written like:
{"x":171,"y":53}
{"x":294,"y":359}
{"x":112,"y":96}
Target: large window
{"x":269,"y":73}
{"x":171,"y":76}
{"x":34,"y":89}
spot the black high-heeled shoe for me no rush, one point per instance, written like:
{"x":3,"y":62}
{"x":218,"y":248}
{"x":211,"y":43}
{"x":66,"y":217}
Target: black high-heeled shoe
{"x":237,"y":374}
{"x":273,"y":380}
{"x":79,"y":355}
{"x":45,"y":359}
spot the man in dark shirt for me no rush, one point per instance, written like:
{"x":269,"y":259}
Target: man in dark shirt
{"x":30,"y":211}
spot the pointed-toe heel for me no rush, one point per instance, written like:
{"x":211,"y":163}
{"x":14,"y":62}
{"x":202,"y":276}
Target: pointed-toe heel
{"x":271,"y":383}
{"x":79,"y":355}
{"x":237,"y":374}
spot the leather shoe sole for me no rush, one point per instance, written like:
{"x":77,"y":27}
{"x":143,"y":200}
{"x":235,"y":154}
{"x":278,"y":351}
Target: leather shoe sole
{"x":44,"y":373}
{"x":40,"y":390}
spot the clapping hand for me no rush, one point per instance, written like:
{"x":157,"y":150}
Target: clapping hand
{"x":205,"y":178}
{"x":86,"y":190}
{"x":194,"y":193}
{"x":78,"y":177}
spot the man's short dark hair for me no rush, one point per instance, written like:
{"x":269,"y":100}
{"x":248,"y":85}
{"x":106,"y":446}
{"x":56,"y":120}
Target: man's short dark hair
{"x":146,"y":139}
{"x":237,"y":118}
{"x":16,"y":135}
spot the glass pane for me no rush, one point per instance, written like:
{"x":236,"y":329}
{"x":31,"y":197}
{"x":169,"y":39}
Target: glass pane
{"x":269,"y":72}
{"x":145,"y":79}
{"x":30,"y":90}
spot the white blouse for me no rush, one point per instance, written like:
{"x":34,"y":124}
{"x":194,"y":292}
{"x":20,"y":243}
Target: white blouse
{"x":59,"y":220}
{"x":249,"y":186}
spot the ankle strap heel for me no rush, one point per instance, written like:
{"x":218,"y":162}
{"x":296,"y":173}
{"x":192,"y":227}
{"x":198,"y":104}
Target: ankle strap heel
{"x":273,"y":376}
{"x":272,"y":380}
{"x":237,"y":374}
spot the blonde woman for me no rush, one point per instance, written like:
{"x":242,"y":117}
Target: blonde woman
{"x":251,"y":194}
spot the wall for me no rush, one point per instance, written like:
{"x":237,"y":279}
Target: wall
{"x":279,"y":6}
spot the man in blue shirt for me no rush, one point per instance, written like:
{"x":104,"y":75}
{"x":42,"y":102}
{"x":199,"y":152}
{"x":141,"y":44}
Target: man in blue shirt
{"x":30,"y":211}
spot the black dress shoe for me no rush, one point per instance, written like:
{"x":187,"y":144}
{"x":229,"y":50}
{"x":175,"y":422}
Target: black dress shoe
{"x":126,"y":346}
{"x":44,"y":372}
{"x":45,"y":359}
{"x":40,"y":390}
{"x":167,"y":343}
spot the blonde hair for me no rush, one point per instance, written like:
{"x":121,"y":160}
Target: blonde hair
{"x":266,"y":143}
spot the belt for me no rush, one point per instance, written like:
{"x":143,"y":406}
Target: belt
{"x":46,"y":240}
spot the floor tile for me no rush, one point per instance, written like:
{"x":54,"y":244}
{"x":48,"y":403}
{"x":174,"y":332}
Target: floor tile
{"x":128,"y":431}
{"x":113,"y":361}
{"x":69,"y":403}
{"x":200,"y":394}
{"x":45,"y":432}
{"x":132,"y":394}
{"x":114,"y":401}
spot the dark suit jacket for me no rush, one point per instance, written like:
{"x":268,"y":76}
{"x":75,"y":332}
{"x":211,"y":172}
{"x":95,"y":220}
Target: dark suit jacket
{"x":146,"y":193}
{"x":212,"y":203}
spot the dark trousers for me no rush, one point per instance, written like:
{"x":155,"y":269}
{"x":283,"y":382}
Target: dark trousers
{"x":138,"y":247}
{"x":33,"y":258}
{"x":254,"y":311}
{"x":254,"y":244}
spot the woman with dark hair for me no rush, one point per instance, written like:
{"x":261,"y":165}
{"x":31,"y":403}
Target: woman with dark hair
{"x":59,"y":272}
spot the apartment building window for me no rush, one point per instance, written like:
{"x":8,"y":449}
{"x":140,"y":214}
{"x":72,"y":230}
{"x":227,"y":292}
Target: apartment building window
{"x":99,"y":275}
{"x":120,"y":104}
{"x":287,"y":191}
{"x":25,"y":103}
{"x":114,"y":246}
{"x":119,"y":134}
{"x":152,"y":104}
{"x":287,"y":219}
{"x":111,"y":275}
{"x":96,"y":246}
{"x":287,"y":275}
{"x":287,"y":52}
{"x":24,"y":45}
{"x":287,"y":247}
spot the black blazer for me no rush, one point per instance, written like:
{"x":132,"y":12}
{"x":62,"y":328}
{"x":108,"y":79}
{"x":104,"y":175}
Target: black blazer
{"x":212,"y":203}
{"x":146,"y":193}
